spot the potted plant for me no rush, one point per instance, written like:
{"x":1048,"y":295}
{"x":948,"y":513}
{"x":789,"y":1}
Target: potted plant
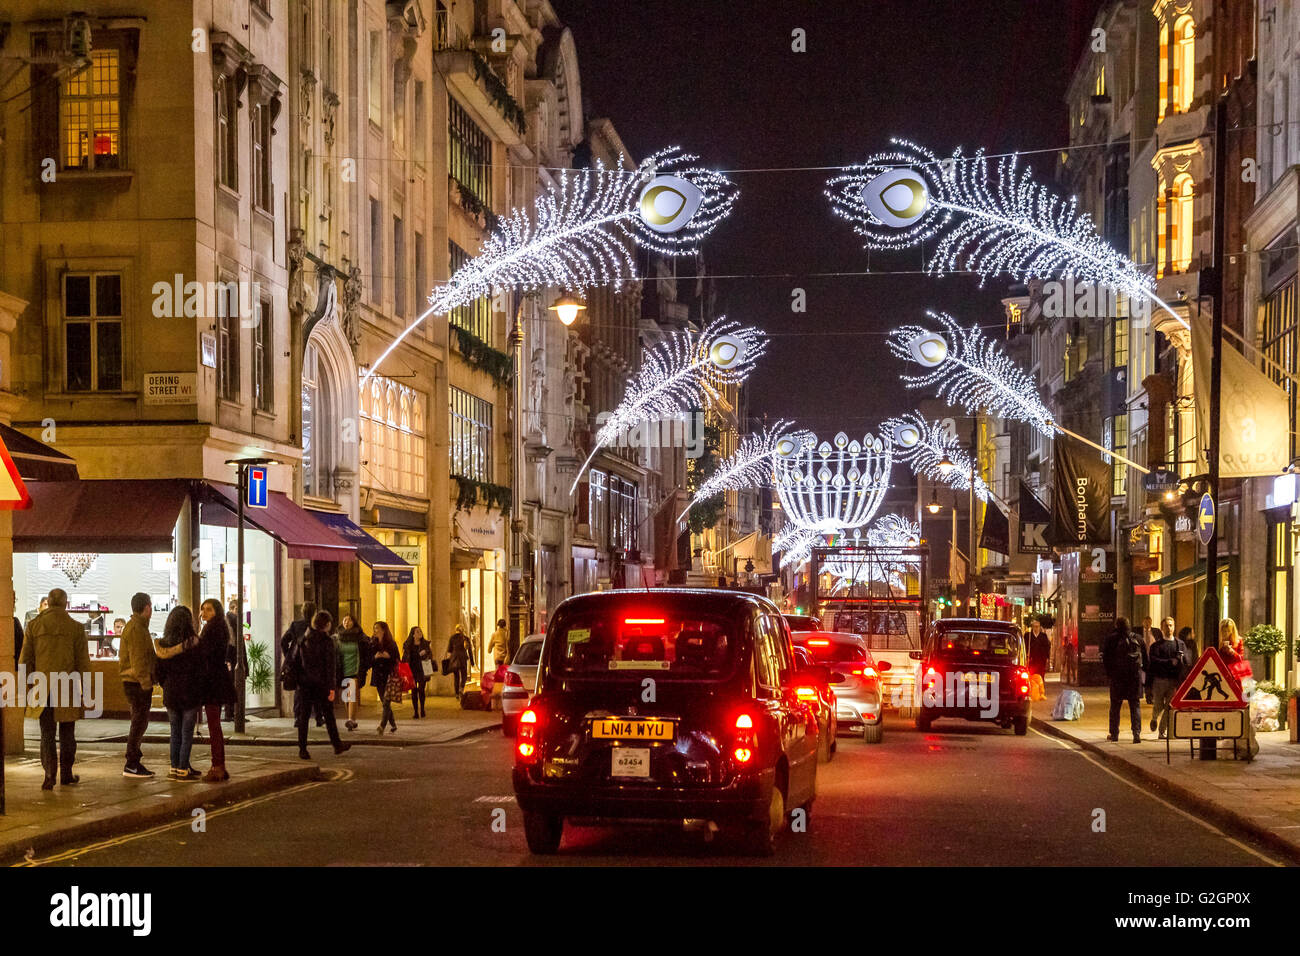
{"x":1264,"y":641}
{"x":260,"y":675}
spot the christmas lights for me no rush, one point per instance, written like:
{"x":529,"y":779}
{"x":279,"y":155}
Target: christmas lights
{"x":827,"y":487}
{"x":680,"y":372}
{"x":923,"y":445}
{"x":989,"y":220}
{"x":751,"y":464}
{"x":584,"y":231}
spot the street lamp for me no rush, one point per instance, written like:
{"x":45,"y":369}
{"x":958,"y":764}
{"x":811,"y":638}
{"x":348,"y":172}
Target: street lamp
{"x":934,"y":507}
{"x":945,"y":465}
{"x":567,"y":308}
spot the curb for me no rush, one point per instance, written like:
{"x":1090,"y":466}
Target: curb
{"x":248,"y":741}
{"x":14,"y":847}
{"x":1207,"y":809}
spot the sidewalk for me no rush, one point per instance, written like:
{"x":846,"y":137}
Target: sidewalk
{"x":107,"y":804}
{"x":445,"y":722}
{"x":1261,"y":797}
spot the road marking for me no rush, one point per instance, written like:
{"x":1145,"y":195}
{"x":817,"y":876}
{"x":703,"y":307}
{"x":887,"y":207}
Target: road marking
{"x":1179,"y":810}
{"x":487,"y":799}
{"x":334,"y":776}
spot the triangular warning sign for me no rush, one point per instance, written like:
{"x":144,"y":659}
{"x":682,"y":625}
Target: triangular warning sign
{"x":1209,"y":686}
{"x":13,"y":493}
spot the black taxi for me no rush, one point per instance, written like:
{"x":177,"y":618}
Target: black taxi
{"x":975,"y":670}
{"x":666,"y":705}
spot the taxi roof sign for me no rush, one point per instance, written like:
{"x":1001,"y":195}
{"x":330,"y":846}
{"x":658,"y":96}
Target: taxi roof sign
{"x":13,"y":493}
{"x":1210,"y":686}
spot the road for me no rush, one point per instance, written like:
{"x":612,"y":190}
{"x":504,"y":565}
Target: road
{"x":962,"y":794}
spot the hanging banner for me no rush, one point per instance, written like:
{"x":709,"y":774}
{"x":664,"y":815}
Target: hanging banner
{"x":1254,"y":415}
{"x":996,"y":535}
{"x":1080,"y":494}
{"x":1035,"y":523}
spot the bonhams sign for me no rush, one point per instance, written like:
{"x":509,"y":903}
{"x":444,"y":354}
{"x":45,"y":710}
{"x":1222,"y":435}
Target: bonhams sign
{"x":1081,"y":494}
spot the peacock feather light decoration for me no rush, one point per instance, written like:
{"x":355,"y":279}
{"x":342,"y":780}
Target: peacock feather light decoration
{"x":923,"y":445}
{"x":751,"y":466}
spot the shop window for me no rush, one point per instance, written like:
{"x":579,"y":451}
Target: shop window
{"x":469,"y":153}
{"x":471,"y":436}
{"x":474,"y":317}
{"x":92,"y":331}
{"x":597,"y":508}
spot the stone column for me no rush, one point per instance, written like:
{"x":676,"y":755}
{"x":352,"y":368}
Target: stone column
{"x":10,"y":308}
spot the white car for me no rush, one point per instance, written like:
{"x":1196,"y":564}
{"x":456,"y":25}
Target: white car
{"x":521,"y":681}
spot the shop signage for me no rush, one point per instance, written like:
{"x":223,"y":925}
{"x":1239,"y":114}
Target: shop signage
{"x":1205,"y":519}
{"x":1183,"y":526}
{"x":1146,"y":563}
{"x":1284,"y":490}
{"x":208,"y":349}
{"x":1024,"y":592}
{"x":409,"y":555}
{"x":1150,"y":590}
{"x":171,"y":388}
{"x":1160,"y":480}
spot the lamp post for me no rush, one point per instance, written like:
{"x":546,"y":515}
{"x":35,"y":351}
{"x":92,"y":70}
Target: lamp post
{"x":241,"y":658}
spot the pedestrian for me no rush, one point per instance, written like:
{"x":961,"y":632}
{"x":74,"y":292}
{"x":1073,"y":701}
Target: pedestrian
{"x":1038,"y":647}
{"x":238,"y":653}
{"x":461,"y":654}
{"x":418,"y":654}
{"x":1125,"y":660}
{"x":1168,"y":666}
{"x":316,"y":666}
{"x":1188,"y":637}
{"x":56,"y":648}
{"x":1230,"y":649}
{"x":382,"y":667}
{"x":40,"y":609}
{"x":181,"y":673}
{"x":352,"y":642}
{"x":297,"y":628}
{"x":137,"y":663}
{"x":499,"y":644}
{"x":218,"y":684}
{"x":18,"y":641}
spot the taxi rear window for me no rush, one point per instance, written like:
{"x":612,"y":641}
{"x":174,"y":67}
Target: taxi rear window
{"x":664,"y":645}
{"x":995,"y":646}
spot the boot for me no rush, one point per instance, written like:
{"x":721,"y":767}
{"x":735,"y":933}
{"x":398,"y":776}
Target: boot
{"x":216,"y":775}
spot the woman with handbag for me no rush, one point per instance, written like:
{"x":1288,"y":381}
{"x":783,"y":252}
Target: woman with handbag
{"x":383,"y":674}
{"x":1230,"y":649}
{"x":418,"y":654}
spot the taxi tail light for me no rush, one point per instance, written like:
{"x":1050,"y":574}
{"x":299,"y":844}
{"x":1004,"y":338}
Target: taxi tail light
{"x":745,"y":743}
{"x":1021,"y":678}
{"x":527,"y":738}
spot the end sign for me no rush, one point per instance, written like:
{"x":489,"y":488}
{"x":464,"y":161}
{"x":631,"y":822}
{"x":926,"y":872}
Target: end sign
{"x":257,"y":493}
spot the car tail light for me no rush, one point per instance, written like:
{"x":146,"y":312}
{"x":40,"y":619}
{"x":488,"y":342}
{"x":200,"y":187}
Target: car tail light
{"x":1021,"y":678}
{"x":806,"y":693}
{"x":868,"y":672}
{"x":513,"y":679}
{"x":526,"y":748}
{"x":819,"y":643}
{"x":746,"y":740}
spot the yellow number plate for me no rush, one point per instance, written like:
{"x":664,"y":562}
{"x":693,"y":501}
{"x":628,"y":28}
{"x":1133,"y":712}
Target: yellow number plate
{"x":983,"y":678}
{"x":634,"y":729}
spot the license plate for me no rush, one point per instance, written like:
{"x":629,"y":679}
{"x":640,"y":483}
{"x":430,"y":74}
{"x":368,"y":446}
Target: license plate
{"x":630,"y":762}
{"x":641,"y":729}
{"x":979,"y":678}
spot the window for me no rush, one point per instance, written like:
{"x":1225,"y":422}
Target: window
{"x":264,"y":358}
{"x":469,"y":153}
{"x":419,"y":131}
{"x":393,"y":437}
{"x":90,"y":113}
{"x":471,"y":436}
{"x":1181,"y":224}
{"x":261,"y":138}
{"x":376,"y":252}
{"x":421,"y":274}
{"x":475,"y":317}
{"x":1164,"y":70}
{"x":1184,"y":57}
{"x":622,"y":514}
{"x":399,"y":268}
{"x":92,"y":331}
{"x":1119,"y":343}
{"x":228,"y":341}
{"x":399,"y":105}
{"x":1280,"y":340}
{"x":1116,"y":439}
{"x":227,"y":113}
{"x":317,"y":425}
{"x":375,"y":78}
{"x":597,"y":508}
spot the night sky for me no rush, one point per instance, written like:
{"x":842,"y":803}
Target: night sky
{"x":720,"y":79}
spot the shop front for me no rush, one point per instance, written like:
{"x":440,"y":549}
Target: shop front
{"x":479,"y":571}
{"x":394,"y":578}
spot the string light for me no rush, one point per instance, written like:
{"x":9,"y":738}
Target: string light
{"x":751,"y":464}
{"x":584,"y":230}
{"x":924,"y":446}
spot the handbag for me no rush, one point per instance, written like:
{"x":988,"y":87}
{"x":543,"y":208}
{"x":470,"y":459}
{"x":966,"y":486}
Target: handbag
{"x":404,"y":672}
{"x":446,"y":666}
{"x":393,"y":688}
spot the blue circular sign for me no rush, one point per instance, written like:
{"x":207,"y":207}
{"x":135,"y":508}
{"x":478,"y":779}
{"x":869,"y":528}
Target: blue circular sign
{"x":1205,"y":519}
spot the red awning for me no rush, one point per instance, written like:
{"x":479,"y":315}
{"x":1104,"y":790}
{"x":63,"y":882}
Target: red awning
{"x":304,"y":536}
{"x":106,"y":517}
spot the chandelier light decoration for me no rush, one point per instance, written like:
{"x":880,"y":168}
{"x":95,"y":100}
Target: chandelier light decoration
{"x":74,"y":564}
{"x":987,"y":219}
{"x":681,"y":372}
{"x":891,"y":532}
{"x":968,"y":369}
{"x":585,"y":230}
{"x":751,"y":464}
{"x":830,"y":487}
{"x":923,"y":445}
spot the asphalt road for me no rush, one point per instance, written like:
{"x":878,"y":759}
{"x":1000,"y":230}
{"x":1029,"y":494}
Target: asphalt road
{"x":963,"y":794}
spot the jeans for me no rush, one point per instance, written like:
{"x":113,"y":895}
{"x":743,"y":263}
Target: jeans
{"x":139,"y":699}
{"x":417,"y":698}
{"x":315,"y":698}
{"x":1135,"y":712}
{"x":387,"y":717}
{"x":1162,"y":689}
{"x":458,"y":677}
{"x":183,"y":723}
{"x":67,"y":751}
{"x":217,"y":742}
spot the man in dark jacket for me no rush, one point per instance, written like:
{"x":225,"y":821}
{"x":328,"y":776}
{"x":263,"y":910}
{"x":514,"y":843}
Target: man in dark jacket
{"x":1038,"y":648}
{"x":296,"y":630}
{"x":316,"y":665}
{"x":1168,"y":660}
{"x":1125,"y":659}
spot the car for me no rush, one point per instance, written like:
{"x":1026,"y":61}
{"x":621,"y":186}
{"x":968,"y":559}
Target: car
{"x":818,"y":688}
{"x":860,"y":705}
{"x":521,"y":680}
{"x":671,"y":704}
{"x":803,"y":622}
{"x":974,"y":669}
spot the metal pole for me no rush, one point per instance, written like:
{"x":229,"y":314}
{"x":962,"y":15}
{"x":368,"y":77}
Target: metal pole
{"x":970,"y":575}
{"x":518,"y":600}
{"x":240,"y":675}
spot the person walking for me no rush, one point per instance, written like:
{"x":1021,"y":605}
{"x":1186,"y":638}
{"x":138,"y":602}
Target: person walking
{"x":56,"y":647}
{"x":137,"y":663}
{"x":1125,"y":660}
{"x":418,"y":654}
{"x":1188,"y":637}
{"x":1148,"y":635}
{"x":1039,"y":648}
{"x":316,"y":663}
{"x":461,"y":654}
{"x":218,"y":684}
{"x":297,"y":629}
{"x":499,"y":644}
{"x":352,"y":643}
{"x":1168,"y":665}
{"x":382,"y":667}
{"x":181,"y":673}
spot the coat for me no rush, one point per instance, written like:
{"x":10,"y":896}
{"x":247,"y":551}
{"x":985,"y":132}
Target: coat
{"x":381,"y":667}
{"x":1124,"y":674}
{"x":182,"y":679}
{"x":56,"y":644}
{"x":317,"y":661}
{"x":1038,"y":651}
{"x":460,"y":650}
{"x":214,"y":650}
{"x":136,"y":655}
{"x":421,"y":668}
{"x":354,"y":649}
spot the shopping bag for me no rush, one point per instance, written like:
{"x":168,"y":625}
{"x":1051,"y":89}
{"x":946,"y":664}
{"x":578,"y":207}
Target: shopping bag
{"x":404,"y":672}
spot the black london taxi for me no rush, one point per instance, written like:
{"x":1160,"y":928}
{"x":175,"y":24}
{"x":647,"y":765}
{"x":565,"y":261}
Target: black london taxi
{"x":974,"y":669}
{"x":666,"y":705}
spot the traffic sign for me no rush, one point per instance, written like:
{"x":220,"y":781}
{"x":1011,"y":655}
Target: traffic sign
{"x":1209,"y":723}
{"x":1210,"y":686}
{"x":1205,"y":519}
{"x":13,"y":493}
{"x":257,"y":493}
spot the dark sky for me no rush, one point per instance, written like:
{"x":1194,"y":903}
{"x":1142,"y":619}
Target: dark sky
{"x":720,"y":79}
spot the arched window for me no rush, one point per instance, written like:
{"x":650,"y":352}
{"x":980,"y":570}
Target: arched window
{"x":375,"y":448}
{"x":1182,"y":223}
{"x":318,"y":425}
{"x":1184,"y":56}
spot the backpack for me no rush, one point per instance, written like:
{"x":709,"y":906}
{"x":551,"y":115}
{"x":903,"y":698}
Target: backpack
{"x":291,"y":665}
{"x":1130,"y":652}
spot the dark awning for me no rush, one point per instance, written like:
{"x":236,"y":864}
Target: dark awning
{"x":37,"y":461}
{"x":294,"y":527}
{"x":385,"y":566}
{"x":1179,"y":578}
{"x":106,"y":517}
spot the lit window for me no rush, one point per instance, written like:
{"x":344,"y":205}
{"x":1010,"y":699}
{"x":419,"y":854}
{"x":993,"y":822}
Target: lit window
{"x":471,"y":436}
{"x":90,"y":114}
{"x":393,"y":437}
{"x":1181,"y":223}
{"x":1184,"y":56}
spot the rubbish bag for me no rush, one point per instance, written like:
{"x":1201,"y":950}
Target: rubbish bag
{"x":1264,"y":710}
{"x":1068,"y":706}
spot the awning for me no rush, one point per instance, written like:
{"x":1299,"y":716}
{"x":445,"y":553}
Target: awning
{"x":36,"y":461}
{"x":1180,"y":578}
{"x":105,"y":517}
{"x":291,"y":525}
{"x":385,"y":566}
